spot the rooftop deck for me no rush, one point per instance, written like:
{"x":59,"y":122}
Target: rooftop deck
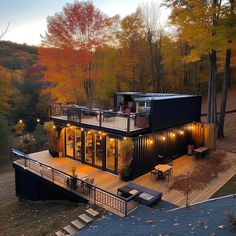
{"x":111,"y":183}
{"x":104,"y":120}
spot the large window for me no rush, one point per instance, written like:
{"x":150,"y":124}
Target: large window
{"x":69,"y":142}
{"x":111,"y":154}
{"x":78,"y":144}
{"x":89,"y":147}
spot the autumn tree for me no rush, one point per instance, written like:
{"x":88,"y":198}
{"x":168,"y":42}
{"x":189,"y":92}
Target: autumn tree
{"x":83,"y":28}
{"x":5,"y":89}
{"x":197,"y":23}
{"x":229,"y":24}
{"x":132,"y":50}
{"x":154,"y":34}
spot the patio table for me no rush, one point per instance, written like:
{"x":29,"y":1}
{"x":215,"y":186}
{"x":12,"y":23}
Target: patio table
{"x":163,"y":168}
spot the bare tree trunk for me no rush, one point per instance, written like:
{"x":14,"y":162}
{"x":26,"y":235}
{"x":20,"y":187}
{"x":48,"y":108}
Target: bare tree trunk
{"x":220,"y":133}
{"x":212,"y":103}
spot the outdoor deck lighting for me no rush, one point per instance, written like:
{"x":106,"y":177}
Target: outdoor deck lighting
{"x":68,"y":125}
{"x":99,"y":132}
{"x":38,"y":120}
{"x":163,"y":138}
{"x":151,"y":141}
{"x":21,"y":121}
{"x":125,"y":138}
{"x":173,"y":134}
{"x":54,"y":126}
{"x":82,"y":129}
{"x":181,"y":132}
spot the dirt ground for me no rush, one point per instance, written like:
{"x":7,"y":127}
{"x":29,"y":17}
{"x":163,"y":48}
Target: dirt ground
{"x":29,"y":218}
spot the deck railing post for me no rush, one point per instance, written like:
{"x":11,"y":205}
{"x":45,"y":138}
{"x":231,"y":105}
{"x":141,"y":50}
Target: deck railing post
{"x":79,"y":115}
{"x":94,"y":195}
{"x":125,"y":208}
{"x":68,"y":113}
{"x":100,"y":118}
{"x":128,"y":124}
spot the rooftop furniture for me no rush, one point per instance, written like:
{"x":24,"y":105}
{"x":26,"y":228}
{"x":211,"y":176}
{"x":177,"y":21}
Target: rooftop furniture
{"x":201,"y":152}
{"x":127,"y":191}
{"x":146,"y":196}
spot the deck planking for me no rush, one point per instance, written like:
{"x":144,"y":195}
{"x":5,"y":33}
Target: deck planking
{"x":111,"y":182}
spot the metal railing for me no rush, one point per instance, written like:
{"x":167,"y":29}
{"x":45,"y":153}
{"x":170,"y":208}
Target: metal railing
{"x":101,"y":118}
{"x":109,"y":201}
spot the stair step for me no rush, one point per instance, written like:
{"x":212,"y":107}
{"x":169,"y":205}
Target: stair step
{"x":92,"y":212}
{"x":70,"y":230}
{"x":59,"y":233}
{"x":87,"y":219}
{"x":78,"y":224}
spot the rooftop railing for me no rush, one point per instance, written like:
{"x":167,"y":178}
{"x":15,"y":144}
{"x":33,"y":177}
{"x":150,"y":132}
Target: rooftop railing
{"x":111,"y":202}
{"x":100,"y":118}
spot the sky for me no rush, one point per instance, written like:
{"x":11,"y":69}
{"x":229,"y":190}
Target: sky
{"x":28,"y":18}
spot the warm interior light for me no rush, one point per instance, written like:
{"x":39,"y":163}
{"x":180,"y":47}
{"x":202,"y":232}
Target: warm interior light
{"x":112,"y":139}
{"x":192,"y":126}
{"x":89,"y":132}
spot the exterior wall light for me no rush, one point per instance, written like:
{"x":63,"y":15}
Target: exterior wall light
{"x":181,"y":132}
{"x":82,"y":129}
{"x":125,"y":138}
{"x":163,"y":138}
{"x":54,"y":126}
{"x":38,"y":120}
{"x":173,"y":134}
{"x":21,"y":121}
{"x":68,"y":125}
{"x":151,"y":141}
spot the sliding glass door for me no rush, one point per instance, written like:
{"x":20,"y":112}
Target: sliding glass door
{"x":111,"y":154}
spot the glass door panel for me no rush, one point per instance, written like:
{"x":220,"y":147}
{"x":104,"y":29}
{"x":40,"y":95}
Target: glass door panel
{"x":70,"y":142}
{"x":89,"y":147}
{"x":98,"y":150}
{"x":78,"y":144}
{"x":111,"y":154}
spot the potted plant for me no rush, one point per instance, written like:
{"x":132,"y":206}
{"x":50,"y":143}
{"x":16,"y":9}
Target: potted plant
{"x":125,"y":173}
{"x":127,"y":147}
{"x":52,"y":137}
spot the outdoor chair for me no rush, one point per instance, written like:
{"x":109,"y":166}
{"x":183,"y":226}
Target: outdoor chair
{"x":161,"y":175}
{"x":154,"y":174}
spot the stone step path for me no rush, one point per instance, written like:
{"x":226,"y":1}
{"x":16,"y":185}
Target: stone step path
{"x":76,"y":225}
{"x":87,"y":219}
{"x":92,"y":212}
{"x":70,"y":230}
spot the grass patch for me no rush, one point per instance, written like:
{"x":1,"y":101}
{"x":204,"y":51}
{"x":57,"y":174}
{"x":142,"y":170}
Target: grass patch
{"x":227,"y":189}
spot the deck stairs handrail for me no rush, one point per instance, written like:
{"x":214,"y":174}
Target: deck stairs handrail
{"x":114,"y":203}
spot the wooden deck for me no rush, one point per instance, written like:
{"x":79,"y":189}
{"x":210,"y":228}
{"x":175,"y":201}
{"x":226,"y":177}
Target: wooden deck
{"x":112,"y":182}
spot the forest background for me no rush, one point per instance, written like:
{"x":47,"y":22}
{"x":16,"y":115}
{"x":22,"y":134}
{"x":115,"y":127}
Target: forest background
{"x":86,"y":56}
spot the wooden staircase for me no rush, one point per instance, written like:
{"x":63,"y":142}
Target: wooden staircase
{"x":75,"y":226}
